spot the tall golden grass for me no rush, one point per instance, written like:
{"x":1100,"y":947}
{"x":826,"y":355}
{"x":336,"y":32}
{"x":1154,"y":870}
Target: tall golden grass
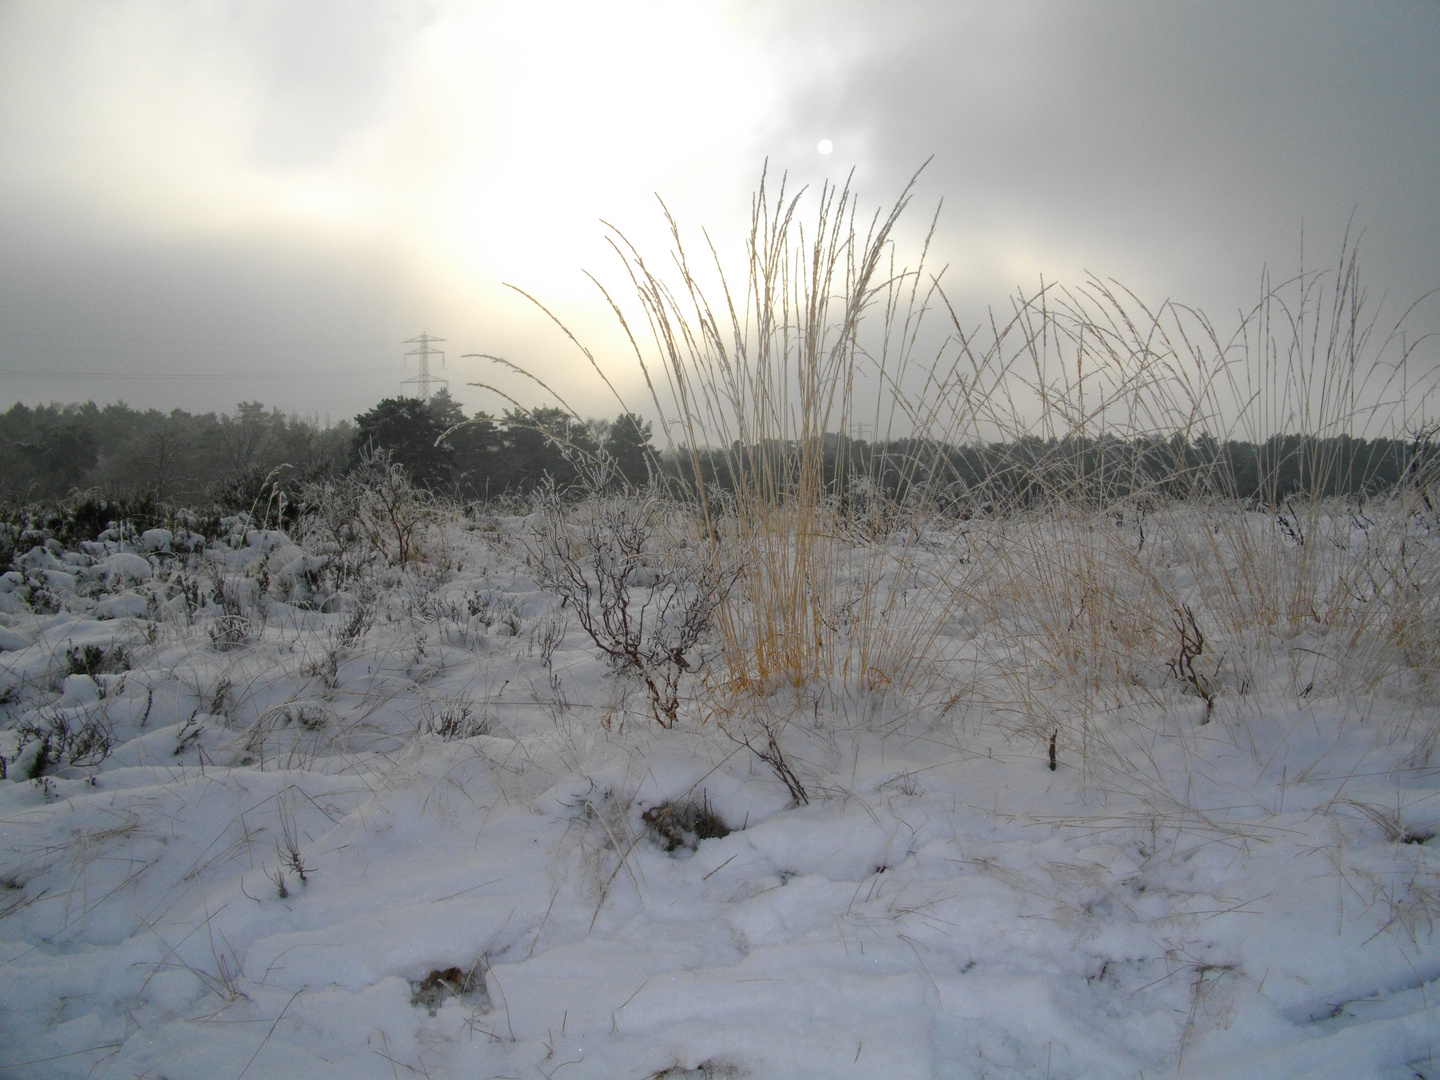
{"x":763,"y":377}
{"x":761,"y":381}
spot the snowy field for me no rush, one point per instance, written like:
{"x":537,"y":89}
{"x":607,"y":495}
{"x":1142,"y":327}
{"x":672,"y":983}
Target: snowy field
{"x":279,"y":809}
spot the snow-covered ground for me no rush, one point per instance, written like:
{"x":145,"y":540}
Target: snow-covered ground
{"x":420,"y":828}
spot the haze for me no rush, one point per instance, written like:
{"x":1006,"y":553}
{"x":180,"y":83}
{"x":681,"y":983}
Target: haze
{"x":208,"y":203}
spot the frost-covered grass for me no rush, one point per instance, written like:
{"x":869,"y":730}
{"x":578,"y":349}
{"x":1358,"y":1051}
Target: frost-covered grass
{"x":797,"y":765}
{"x":342,"y":813}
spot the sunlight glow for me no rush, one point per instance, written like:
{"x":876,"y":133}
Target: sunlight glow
{"x":563,"y":114}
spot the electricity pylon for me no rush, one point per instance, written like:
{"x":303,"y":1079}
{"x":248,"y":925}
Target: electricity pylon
{"x":423,"y":379}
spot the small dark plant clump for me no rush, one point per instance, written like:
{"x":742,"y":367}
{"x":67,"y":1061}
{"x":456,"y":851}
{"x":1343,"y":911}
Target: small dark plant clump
{"x":683,"y":824}
{"x":230,"y":632}
{"x":492,"y":611}
{"x":706,"y":1070}
{"x":58,"y":741}
{"x":95,"y":660}
{"x":362,"y":617}
{"x":458,"y":720}
{"x":441,"y":984}
{"x":189,"y":733}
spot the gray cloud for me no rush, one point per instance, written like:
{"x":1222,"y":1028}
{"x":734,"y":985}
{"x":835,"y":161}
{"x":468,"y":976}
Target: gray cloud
{"x":1188,"y":143}
{"x":329,"y":173}
{"x":198,"y":324}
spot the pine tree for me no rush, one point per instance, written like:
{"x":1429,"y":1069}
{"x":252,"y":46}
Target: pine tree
{"x":629,"y":447}
{"x":408,"y":428}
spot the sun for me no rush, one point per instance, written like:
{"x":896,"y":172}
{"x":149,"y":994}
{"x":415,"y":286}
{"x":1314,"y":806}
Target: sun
{"x":825,"y":146}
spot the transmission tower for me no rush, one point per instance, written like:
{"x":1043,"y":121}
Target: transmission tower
{"x":423,"y":379}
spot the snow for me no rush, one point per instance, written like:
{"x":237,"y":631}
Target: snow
{"x":1243,"y":891}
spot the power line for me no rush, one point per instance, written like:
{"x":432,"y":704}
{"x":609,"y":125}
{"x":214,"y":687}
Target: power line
{"x":191,"y":342}
{"x":33,"y":373}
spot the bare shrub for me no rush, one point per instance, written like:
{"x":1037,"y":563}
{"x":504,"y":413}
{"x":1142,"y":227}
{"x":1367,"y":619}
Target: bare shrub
{"x":612,"y":560}
{"x":372,"y":512}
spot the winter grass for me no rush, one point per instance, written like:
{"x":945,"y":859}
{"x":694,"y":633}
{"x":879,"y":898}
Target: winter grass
{"x":933,"y":837}
{"x":847,"y":570}
{"x":416,"y":761}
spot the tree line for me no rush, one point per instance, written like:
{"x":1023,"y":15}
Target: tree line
{"x":1030,"y":471}
{"x":483,"y":457}
{"x":49,"y":453}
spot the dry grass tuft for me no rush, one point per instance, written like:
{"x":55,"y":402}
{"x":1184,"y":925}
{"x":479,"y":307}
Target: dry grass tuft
{"x":1062,"y":476}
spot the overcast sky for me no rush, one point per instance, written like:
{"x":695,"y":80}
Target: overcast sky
{"x":225,"y":200}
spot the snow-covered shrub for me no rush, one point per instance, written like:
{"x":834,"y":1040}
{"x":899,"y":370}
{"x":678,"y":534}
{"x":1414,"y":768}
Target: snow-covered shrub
{"x":231,"y":631}
{"x":61,"y":736}
{"x":371,"y":513}
{"x":613,"y":561}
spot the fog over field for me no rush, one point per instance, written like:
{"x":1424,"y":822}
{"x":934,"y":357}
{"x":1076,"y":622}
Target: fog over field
{"x":204,"y":204}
